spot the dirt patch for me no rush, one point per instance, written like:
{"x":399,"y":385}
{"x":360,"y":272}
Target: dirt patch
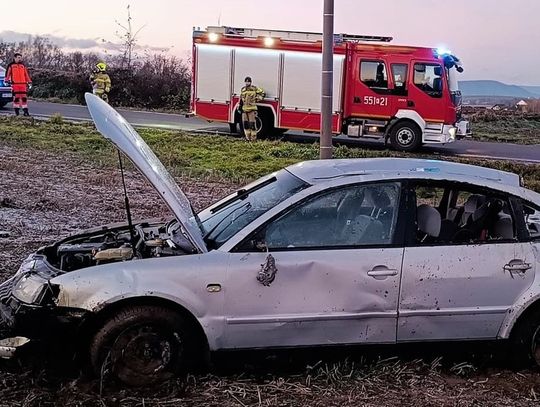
{"x":44,"y":197}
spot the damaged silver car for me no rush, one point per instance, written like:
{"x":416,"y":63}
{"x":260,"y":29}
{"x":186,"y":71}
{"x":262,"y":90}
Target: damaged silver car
{"x":359,"y":251}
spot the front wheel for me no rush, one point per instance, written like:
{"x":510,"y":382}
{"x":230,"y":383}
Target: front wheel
{"x":141,"y":345}
{"x":406,"y":136}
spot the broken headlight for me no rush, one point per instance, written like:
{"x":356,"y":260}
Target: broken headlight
{"x":30,"y":289}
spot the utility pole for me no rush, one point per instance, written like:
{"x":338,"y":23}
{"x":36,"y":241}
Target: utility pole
{"x":327,"y":80}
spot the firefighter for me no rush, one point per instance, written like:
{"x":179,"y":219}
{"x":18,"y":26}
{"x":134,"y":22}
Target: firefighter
{"x":249,"y":96}
{"x":101,"y":81}
{"x":17,"y":76}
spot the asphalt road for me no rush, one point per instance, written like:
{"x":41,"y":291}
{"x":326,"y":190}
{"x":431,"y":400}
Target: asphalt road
{"x":464,"y":148}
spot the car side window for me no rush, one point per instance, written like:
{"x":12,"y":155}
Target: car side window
{"x":373,"y":74}
{"x":353,"y":216}
{"x":429,"y":79}
{"x":430,"y":195}
{"x":532,"y":219}
{"x":465,"y":216}
{"x":399,"y":73}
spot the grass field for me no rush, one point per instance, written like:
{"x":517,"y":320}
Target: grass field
{"x":506,"y":127}
{"x":205,"y":156}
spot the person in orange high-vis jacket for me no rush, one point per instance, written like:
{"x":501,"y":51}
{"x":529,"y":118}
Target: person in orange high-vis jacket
{"x":17,"y":76}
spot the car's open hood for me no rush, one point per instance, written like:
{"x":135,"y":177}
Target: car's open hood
{"x":115,"y":128}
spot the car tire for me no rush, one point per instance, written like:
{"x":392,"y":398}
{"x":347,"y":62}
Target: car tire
{"x":525,"y":341}
{"x":141,"y":345}
{"x":406,"y":136}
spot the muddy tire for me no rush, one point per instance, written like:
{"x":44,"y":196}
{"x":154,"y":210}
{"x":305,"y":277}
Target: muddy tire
{"x":142,"y":345}
{"x":525,"y":341}
{"x":406,"y":136}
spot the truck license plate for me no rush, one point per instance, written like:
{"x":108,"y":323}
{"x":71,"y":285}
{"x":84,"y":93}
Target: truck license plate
{"x":6,"y":95}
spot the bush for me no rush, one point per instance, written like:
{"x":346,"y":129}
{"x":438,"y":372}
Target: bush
{"x":158,"y":81}
{"x":57,"y":119}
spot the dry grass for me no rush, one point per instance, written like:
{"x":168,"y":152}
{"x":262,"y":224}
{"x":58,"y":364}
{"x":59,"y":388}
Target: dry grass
{"x":387,"y":382}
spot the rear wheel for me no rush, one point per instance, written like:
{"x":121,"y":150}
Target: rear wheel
{"x":265,"y":124}
{"x":406,"y":136}
{"x":141,"y":345}
{"x":525,"y":340}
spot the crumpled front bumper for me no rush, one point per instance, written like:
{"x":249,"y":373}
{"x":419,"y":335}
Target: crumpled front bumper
{"x":21,"y":324}
{"x":9,"y":345}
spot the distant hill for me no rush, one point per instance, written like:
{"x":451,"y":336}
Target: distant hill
{"x":495,"y":88}
{"x":535,"y":90}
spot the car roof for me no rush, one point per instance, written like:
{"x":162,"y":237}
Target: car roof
{"x":319,"y":171}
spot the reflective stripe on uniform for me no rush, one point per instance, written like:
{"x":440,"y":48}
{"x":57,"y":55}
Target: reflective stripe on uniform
{"x":250,"y":95}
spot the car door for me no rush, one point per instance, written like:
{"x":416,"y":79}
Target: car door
{"x":460,"y":285}
{"x":426,"y":94}
{"x":371,"y":95}
{"x":325,"y":271}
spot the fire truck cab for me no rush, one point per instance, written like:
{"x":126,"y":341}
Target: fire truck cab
{"x":404,"y":95}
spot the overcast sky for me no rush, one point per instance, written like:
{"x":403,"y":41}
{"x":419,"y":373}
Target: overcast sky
{"x":496,"y":39}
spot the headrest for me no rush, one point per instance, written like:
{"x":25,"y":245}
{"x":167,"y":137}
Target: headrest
{"x":429,"y":220}
{"x":474,"y":202}
{"x":380,"y":198}
{"x":354,"y":199}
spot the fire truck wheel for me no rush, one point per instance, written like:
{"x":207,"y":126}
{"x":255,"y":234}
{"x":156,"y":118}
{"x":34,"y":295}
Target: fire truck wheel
{"x":406,"y":136}
{"x":233,"y":129}
{"x":265,"y":124}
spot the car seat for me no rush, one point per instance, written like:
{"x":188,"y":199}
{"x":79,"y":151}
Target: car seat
{"x":428,"y":220}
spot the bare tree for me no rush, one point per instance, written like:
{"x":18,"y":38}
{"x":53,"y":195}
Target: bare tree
{"x":129,"y":39}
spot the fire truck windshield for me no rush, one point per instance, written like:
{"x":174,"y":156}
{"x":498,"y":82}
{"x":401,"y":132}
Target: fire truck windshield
{"x":452,"y":79}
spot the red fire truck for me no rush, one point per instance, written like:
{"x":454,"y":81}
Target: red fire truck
{"x":404,"y":95}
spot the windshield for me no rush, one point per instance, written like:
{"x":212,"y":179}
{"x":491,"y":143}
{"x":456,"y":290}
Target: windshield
{"x":227,"y":217}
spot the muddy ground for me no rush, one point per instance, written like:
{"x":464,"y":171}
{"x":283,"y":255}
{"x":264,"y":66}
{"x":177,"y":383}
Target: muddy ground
{"x":45,"y":197}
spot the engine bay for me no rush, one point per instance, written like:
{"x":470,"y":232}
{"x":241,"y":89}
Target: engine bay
{"x":118,"y":243}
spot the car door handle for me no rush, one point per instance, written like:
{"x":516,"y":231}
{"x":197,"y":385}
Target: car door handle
{"x":520,"y":267}
{"x":382,"y":271}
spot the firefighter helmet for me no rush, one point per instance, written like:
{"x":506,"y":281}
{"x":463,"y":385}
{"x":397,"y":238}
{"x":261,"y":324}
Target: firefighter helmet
{"x":101,"y":66}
